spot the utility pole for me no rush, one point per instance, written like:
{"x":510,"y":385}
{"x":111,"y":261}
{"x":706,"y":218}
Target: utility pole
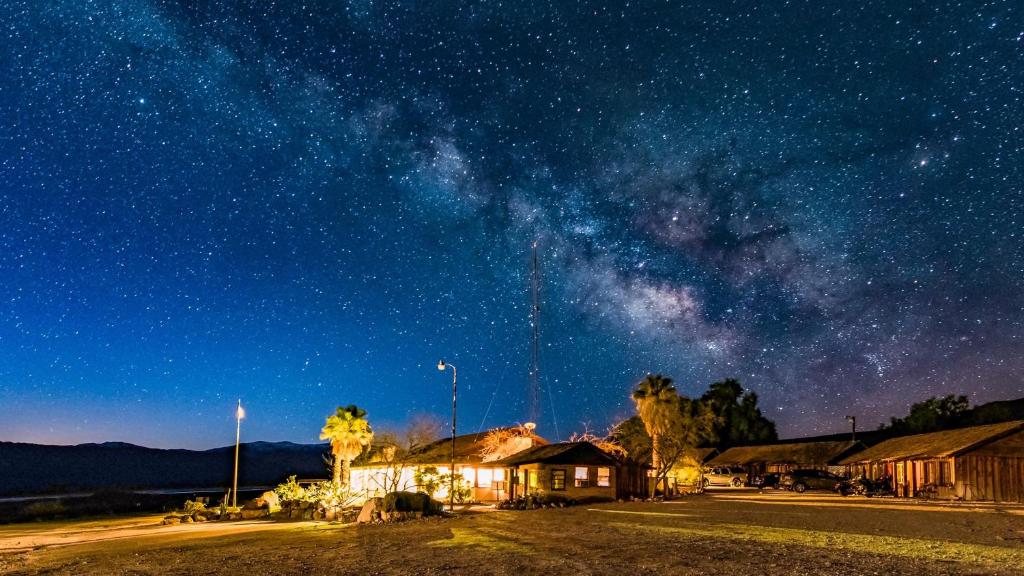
{"x":853,"y":422}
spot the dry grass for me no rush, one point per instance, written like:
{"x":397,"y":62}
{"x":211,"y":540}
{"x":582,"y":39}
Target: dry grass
{"x":702,"y":535}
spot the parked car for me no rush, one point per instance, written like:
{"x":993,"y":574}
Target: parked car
{"x":803,"y":480}
{"x":725,"y":476}
{"x":769,"y":480}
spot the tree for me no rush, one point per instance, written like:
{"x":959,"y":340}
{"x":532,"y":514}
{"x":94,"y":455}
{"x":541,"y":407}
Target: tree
{"x":657,"y":405}
{"x":394,"y":448}
{"x":349,"y":433}
{"x":931,"y":415}
{"x":738,"y":419}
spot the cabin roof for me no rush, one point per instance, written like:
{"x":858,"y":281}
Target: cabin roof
{"x":936,"y":444}
{"x":800,"y":453}
{"x":583,"y":453}
{"x":468,"y":449}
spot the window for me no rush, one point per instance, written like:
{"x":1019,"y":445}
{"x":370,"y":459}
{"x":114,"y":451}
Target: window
{"x":582,"y":477}
{"x":558,"y":479}
{"x":604,"y":476}
{"x":484,"y":477}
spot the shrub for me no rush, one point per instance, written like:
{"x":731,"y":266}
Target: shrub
{"x":193,"y":507}
{"x":536,"y":500}
{"x":290,"y":490}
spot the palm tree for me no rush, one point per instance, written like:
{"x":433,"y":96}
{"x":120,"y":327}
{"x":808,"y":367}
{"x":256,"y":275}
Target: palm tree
{"x":349,"y":433}
{"x":657,"y":404}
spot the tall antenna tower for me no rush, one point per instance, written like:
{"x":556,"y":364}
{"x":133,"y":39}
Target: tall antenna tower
{"x":534,"y":391}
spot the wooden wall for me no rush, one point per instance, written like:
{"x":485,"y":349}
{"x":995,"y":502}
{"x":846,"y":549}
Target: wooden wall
{"x":984,"y":477}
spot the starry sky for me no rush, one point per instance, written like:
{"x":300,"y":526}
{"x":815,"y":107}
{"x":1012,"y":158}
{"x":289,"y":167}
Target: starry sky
{"x":306,"y":204}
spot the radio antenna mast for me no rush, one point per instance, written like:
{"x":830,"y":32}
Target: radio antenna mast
{"x":534,"y":391}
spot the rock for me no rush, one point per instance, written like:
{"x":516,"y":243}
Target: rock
{"x":370,"y":511}
{"x":171,"y":520}
{"x":187,"y":519}
{"x":250,"y":513}
{"x":269,"y":500}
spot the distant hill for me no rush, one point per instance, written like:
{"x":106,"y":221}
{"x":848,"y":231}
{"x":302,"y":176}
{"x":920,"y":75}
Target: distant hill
{"x":34,"y":468}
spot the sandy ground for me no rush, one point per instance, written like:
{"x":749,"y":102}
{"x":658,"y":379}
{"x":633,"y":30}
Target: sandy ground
{"x":728,"y":532}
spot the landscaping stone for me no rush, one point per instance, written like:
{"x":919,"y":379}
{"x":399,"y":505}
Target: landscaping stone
{"x":370,"y":511}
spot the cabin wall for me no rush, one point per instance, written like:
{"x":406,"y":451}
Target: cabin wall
{"x":542,"y":478}
{"x":985,"y":477}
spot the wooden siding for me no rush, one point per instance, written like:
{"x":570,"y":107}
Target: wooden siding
{"x":998,"y":478}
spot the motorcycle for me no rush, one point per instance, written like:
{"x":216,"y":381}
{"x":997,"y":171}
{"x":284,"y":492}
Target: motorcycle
{"x":864,"y":486}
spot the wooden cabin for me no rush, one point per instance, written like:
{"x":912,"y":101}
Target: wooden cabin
{"x":577,"y":470}
{"x":976,"y":463}
{"x":785,"y":456}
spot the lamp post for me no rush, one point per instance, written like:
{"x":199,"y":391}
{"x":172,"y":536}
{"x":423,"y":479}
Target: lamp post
{"x":451,"y":472}
{"x":853,"y":421}
{"x":239,"y":414}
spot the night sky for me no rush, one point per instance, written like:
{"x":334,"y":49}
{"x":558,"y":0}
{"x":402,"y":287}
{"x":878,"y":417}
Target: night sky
{"x":307,"y":204}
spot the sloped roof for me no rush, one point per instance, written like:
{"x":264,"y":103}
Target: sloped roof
{"x":583,"y":453}
{"x":468,"y":449}
{"x":800,"y":453}
{"x":704,"y":454}
{"x":936,"y":444}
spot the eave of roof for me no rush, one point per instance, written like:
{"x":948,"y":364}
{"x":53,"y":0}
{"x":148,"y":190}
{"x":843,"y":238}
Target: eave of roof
{"x":942,"y":444}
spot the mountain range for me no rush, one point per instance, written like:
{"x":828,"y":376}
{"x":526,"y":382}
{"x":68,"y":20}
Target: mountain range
{"x":39,"y":468}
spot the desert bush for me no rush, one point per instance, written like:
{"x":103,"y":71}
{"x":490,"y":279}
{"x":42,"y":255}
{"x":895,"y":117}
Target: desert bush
{"x":536,"y":500}
{"x":430,"y":481}
{"x":290,"y":490}
{"x":193,"y":507}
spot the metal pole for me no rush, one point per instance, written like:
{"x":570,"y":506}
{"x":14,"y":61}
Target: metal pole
{"x":451,"y":486}
{"x":238,"y":436}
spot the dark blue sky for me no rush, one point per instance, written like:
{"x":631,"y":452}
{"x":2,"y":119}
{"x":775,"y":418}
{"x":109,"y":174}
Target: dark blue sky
{"x":306,"y":204}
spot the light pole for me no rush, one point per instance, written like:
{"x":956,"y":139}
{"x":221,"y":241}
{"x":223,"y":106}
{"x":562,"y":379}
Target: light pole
{"x":239,"y":414}
{"x":451,"y":472}
{"x":853,"y":421}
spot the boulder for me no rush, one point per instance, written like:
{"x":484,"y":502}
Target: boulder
{"x":370,"y":511}
{"x":269,"y":500}
{"x":171,"y":520}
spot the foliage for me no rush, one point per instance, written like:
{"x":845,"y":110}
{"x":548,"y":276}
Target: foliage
{"x":394,"y":449}
{"x":539,"y":499}
{"x":290,"y":490}
{"x":738,"y":418}
{"x":931,"y":415}
{"x":657,"y":405}
{"x":349,"y":433}
{"x":193,"y":507}
{"x":430,"y":480}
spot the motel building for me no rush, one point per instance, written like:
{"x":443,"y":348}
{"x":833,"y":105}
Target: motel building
{"x":524,"y":464}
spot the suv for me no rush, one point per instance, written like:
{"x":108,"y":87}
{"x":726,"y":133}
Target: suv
{"x":725,"y":476}
{"x":803,"y":480}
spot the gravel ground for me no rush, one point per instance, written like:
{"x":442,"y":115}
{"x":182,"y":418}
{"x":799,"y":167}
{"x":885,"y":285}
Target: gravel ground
{"x":734,"y":532}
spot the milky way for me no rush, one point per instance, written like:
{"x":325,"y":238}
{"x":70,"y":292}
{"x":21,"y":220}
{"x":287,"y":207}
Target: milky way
{"x":307,"y":204}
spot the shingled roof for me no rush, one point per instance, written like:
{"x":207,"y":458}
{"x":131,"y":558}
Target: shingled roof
{"x":800,"y":453}
{"x":583,"y":453}
{"x":936,"y":444}
{"x":468,"y":450}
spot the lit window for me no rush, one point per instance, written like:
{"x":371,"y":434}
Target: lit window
{"x":582,"y":477}
{"x":558,"y":479}
{"x":484,"y":477}
{"x":604,"y":476}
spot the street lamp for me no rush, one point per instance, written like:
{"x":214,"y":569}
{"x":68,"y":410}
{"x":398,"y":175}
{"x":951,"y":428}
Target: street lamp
{"x":451,"y":487}
{"x":239,"y":414}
